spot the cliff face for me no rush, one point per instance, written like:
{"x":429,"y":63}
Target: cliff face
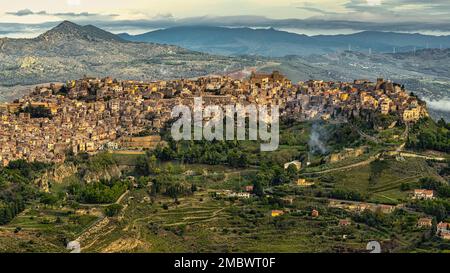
{"x":109,"y":173}
{"x":56,"y":175}
{"x":59,"y":173}
{"x":347,"y":153}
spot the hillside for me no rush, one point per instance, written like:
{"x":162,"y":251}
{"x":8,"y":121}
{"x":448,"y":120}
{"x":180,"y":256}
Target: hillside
{"x":274,"y":43}
{"x":70,"y":51}
{"x":230,"y":41}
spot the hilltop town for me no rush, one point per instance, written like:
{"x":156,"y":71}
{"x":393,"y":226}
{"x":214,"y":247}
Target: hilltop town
{"x":90,"y":115}
{"x":91,"y":161}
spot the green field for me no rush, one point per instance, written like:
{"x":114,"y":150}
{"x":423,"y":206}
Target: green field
{"x":385,"y":186}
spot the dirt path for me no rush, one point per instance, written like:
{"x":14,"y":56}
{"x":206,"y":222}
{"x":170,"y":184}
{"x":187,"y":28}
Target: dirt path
{"x":105,"y":205}
{"x":359,"y":164}
{"x":96,"y":229}
{"x":414,"y":155}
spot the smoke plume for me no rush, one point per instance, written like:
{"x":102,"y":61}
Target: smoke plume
{"x":315,"y":143}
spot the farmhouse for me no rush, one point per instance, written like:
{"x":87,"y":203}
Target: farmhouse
{"x":232,"y":194}
{"x":249,"y":188}
{"x":288,"y":200}
{"x":423,"y":194}
{"x":425,"y":222}
{"x":443,"y":230}
{"x":345,"y":222}
{"x":303,"y":183}
{"x":276,"y":213}
{"x":296,"y":163}
{"x":443,"y":227}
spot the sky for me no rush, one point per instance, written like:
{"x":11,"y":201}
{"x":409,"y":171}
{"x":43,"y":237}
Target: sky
{"x":29,"y":17}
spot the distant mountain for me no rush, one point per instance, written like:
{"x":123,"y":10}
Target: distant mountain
{"x":275,"y":43}
{"x":385,"y":42}
{"x":230,"y":41}
{"x":71,"y":31}
{"x":70,"y":51}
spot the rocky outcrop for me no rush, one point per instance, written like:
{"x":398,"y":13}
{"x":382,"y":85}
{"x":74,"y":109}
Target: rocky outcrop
{"x":60,"y":172}
{"x":109,"y":173}
{"x":347,"y":153}
{"x":56,"y":174}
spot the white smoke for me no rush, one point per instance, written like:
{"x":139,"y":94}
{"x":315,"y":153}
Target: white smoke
{"x":314,"y":143}
{"x":438,"y":105}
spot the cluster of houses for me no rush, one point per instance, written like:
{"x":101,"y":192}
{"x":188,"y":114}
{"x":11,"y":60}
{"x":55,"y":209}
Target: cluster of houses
{"x":90,"y":114}
{"x":361,"y":206}
{"x":245,"y":194}
{"x":319,"y":99}
{"x":277,"y":213}
{"x":442,"y":229}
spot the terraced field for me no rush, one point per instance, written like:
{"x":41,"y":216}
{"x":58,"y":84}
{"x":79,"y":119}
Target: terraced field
{"x":385,"y":185}
{"x":201,"y":222}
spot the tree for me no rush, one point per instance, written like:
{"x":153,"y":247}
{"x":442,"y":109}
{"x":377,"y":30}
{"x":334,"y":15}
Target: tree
{"x":141,"y":166}
{"x":113,"y":210}
{"x":49,"y":199}
{"x":279,"y":176}
{"x":292,"y":172}
{"x":193,"y":188}
{"x":142,"y":181}
{"x":442,"y":123}
{"x":258,"y":188}
{"x":435,"y":208}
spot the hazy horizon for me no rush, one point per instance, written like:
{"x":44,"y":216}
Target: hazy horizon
{"x":28,"y":19}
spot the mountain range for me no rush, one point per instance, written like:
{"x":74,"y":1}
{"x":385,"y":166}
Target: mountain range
{"x":70,"y":51}
{"x":275,"y":43}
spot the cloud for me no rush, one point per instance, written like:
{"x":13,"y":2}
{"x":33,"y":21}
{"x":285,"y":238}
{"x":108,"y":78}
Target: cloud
{"x":27,"y":12}
{"x":383,"y":11}
{"x":81,"y":14}
{"x":165,"y":21}
{"x":317,"y":10}
{"x":439,"y":105}
{"x":162,"y":16}
{"x":73,"y":2}
{"x":403,"y":10}
{"x":23,"y":12}
{"x":373,"y":2}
